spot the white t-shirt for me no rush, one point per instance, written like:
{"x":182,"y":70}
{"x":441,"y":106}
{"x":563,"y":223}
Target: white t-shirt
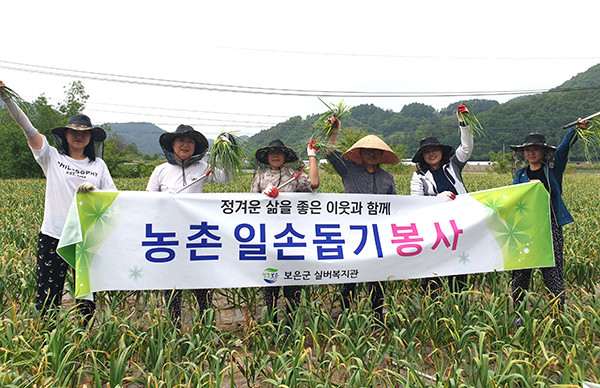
{"x":63,"y":175}
{"x":171,"y":177}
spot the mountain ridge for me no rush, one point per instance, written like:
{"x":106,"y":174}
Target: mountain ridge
{"x":504,"y":123}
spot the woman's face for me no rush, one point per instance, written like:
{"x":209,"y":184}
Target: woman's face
{"x":534,"y":154}
{"x":276,"y":159}
{"x":433,"y":157}
{"x":183,"y":148}
{"x":77,"y":140}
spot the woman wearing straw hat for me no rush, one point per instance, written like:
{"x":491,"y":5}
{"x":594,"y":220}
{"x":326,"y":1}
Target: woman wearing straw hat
{"x":546,"y":164}
{"x":361,"y":173}
{"x":439,"y":169}
{"x":186,"y":172}
{"x":73,"y":166}
{"x":277,"y":168}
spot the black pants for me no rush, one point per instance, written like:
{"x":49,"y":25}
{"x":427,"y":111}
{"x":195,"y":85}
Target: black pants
{"x":553,"y":276}
{"x":292,"y":295}
{"x":173,"y":299}
{"x":51,"y":271}
{"x":375,"y":288}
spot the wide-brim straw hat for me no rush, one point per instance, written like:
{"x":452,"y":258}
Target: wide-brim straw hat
{"x":428,"y":143}
{"x":80,"y":122}
{"x":371,"y":142}
{"x":533,"y":139}
{"x":262,"y":154}
{"x":166,"y":139}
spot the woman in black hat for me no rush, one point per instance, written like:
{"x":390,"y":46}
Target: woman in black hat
{"x":276,"y":165}
{"x":184,"y":150}
{"x":546,"y":164}
{"x":73,"y":166}
{"x":439,"y":173}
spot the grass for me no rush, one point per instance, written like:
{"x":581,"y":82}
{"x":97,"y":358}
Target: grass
{"x":455,"y":340}
{"x":590,"y":137}
{"x":13,"y":95}
{"x":472,"y":121}
{"x":325,"y":124}
{"x":226,"y":154}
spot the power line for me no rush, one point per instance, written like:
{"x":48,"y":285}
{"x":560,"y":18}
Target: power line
{"x":188,"y":110}
{"x":179,"y":117}
{"x":199,"y":124}
{"x":161,"y":82}
{"x":219,"y":122}
{"x":461,"y":57}
{"x":249,"y":89}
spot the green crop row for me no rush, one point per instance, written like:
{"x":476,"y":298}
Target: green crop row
{"x":455,"y":340}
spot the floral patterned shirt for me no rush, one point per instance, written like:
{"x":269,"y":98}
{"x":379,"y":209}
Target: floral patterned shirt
{"x":275,"y":178}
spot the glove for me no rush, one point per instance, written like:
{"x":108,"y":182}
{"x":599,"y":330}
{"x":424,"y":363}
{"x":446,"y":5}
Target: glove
{"x":85,"y":187}
{"x":225,"y":138}
{"x":335,"y":122}
{"x":459,"y":111}
{"x":271,"y":191}
{"x":582,"y":124}
{"x":447,"y":194}
{"x":312,"y":148}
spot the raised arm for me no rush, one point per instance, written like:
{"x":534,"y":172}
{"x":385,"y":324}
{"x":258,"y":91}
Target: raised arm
{"x":334,"y":134}
{"x":313,"y":166}
{"x":561,"y":155}
{"x":34,"y":138}
{"x":464,"y":151}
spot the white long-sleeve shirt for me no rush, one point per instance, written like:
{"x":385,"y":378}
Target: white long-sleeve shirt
{"x":172,"y":177}
{"x":423,"y":182}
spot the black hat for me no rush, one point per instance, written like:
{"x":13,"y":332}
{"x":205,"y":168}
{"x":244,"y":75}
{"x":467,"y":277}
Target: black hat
{"x":533,"y":139}
{"x":275,"y":145}
{"x":166,"y":139}
{"x":428,"y":143}
{"x":80,"y":122}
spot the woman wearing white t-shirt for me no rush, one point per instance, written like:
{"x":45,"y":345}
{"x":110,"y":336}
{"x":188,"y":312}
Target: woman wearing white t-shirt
{"x":71,"y":167}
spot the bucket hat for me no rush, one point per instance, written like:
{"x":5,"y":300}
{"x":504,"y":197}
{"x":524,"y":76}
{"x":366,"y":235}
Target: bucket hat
{"x":166,"y":139}
{"x":81,"y":122}
{"x":371,"y":142}
{"x":428,"y":143}
{"x":262,"y":154}
{"x":533,"y":139}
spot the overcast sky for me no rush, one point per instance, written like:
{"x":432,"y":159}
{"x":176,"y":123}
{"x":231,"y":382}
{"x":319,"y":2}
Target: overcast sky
{"x":280,"y":55}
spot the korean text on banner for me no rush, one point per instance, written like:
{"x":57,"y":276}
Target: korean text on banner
{"x":143,"y":241}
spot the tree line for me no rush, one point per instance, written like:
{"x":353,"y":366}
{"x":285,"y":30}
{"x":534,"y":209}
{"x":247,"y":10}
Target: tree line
{"x":503,"y":124}
{"x":16,"y":160}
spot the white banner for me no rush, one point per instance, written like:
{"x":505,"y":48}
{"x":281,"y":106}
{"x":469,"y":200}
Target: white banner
{"x":142,"y":241}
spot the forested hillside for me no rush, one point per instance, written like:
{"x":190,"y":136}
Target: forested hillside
{"x":143,"y":135}
{"x":504,"y":124}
